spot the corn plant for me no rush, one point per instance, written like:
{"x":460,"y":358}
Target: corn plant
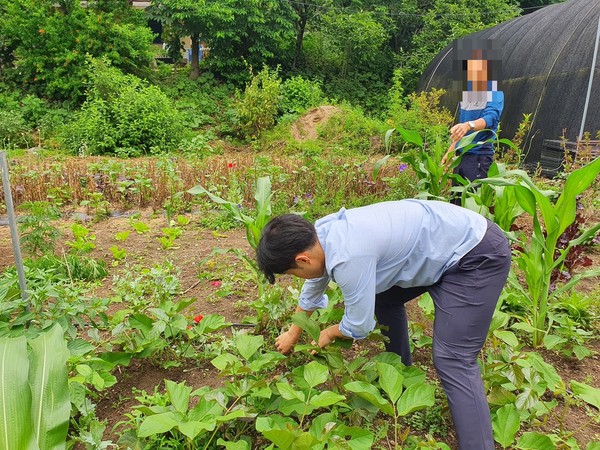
{"x":254,"y":224}
{"x":433,"y":176}
{"x":540,"y":255}
{"x":34,"y":392}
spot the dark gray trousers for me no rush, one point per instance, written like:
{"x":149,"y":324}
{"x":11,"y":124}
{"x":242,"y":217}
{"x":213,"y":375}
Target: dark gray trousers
{"x":465,"y":299}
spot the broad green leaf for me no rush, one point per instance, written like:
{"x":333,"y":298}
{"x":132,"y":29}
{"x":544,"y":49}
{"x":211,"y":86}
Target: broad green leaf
{"x":282,"y":432}
{"x":238,"y":445}
{"x":315,"y":373}
{"x":79,"y":347}
{"x":378,"y":165}
{"x":225,"y":360}
{"x":48,"y":379}
{"x":535,"y":441}
{"x":526,"y":199}
{"x":193,"y":428}
{"x":289,"y":393}
{"x":507,"y":337}
{"x":413,"y":375}
{"x":390,"y":380}
{"x":577,"y":182}
{"x":587,"y":393}
{"x":16,"y":426}
{"x":157,"y":424}
{"x":371,"y":394}
{"x":179,"y":394}
{"x":247,"y":344}
{"x":326,"y":398}
{"x":506,"y":424}
{"x":552,"y":340}
{"x":581,"y":351}
{"x":594,"y":445}
{"x":308,"y":325}
{"x":210,"y":323}
{"x":360,"y":439}
{"x":415,"y":397}
{"x":549,"y":373}
{"x":412,"y":137}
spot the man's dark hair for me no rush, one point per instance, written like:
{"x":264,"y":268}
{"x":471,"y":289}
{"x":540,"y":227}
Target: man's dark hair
{"x":281,"y":241}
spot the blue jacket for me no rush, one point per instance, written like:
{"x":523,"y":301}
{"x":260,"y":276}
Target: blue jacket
{"x":490,"y":111}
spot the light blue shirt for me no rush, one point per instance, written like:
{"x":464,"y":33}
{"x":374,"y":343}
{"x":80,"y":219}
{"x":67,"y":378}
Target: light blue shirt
{"x":403,"y":243}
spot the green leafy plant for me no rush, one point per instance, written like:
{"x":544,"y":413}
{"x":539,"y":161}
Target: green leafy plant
{"x":433,"y":176}
{"x":179,"y":419}
{"x":97,"y":205}
{"x":403,"y":394}
{"x":258,"y":107}
{"x":539,"y":256}
{"x":169,"y":235}
{"x":298,"y":94}
{"x":84,"y":239}
{"x":38,"y":235}
{"x":253,"y":224}
{"x":35,"y":393}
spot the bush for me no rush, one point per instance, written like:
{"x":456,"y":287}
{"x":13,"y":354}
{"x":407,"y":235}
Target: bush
{"x":418,"y":111}
{"x":45,"y":44}
{"x":258,"y":107}
{"x":298,"y":94}
{"x":13,"y":129}
{"x":123,"y":115}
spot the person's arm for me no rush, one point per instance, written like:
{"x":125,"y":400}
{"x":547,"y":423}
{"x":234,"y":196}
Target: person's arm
{"x":356,"y":279}
{"x":458,"y":131}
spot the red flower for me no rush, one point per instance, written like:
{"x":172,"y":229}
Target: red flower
{"x":216,"y":283}
{"x":231,"y":165}
{"x":198,"y":318}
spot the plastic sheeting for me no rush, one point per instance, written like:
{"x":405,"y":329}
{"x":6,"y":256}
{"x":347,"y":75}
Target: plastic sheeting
{"x":546,"y":63}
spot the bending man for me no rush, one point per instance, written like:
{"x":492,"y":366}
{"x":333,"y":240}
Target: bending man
{"x":382,"y":256}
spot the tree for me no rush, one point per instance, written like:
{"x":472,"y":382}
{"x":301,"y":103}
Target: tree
{"x":254,"y":31}
{"x":193,"y":18}
{"x":446,"y":21}
{"x":45,"y":45}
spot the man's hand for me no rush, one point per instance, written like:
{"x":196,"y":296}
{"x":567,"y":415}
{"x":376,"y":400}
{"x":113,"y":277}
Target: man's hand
{"x":328,"y":335}
{"x":458,"y":131}
{"x":286,"y":341}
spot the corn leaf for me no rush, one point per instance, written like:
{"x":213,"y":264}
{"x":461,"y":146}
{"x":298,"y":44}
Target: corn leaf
{"x":48,"y":380}
{"x":16,"y":426}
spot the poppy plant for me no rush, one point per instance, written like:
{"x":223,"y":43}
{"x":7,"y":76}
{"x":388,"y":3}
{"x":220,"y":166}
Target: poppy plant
{"x":198,"y":318}
{"x":216,"y":283}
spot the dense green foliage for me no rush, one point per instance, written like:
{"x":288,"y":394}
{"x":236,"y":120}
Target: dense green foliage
{"x":123,"y":115}
{"x":44,"y":45}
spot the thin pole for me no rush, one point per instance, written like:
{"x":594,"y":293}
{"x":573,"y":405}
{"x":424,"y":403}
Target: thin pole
{"x":589,"y":90}
{"x":13,"y":225}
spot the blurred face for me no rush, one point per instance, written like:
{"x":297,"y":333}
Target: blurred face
{"x":477,"y":73}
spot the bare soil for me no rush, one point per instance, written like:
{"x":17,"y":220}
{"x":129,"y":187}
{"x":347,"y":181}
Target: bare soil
{"x":306,"y":127}
{"x":192,"y":250}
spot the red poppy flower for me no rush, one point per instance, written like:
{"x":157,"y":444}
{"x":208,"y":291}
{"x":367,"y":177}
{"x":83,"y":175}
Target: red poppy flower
{"x":198,"y":318}
{"x":231,"y":165}
{"x":216,"y":283}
